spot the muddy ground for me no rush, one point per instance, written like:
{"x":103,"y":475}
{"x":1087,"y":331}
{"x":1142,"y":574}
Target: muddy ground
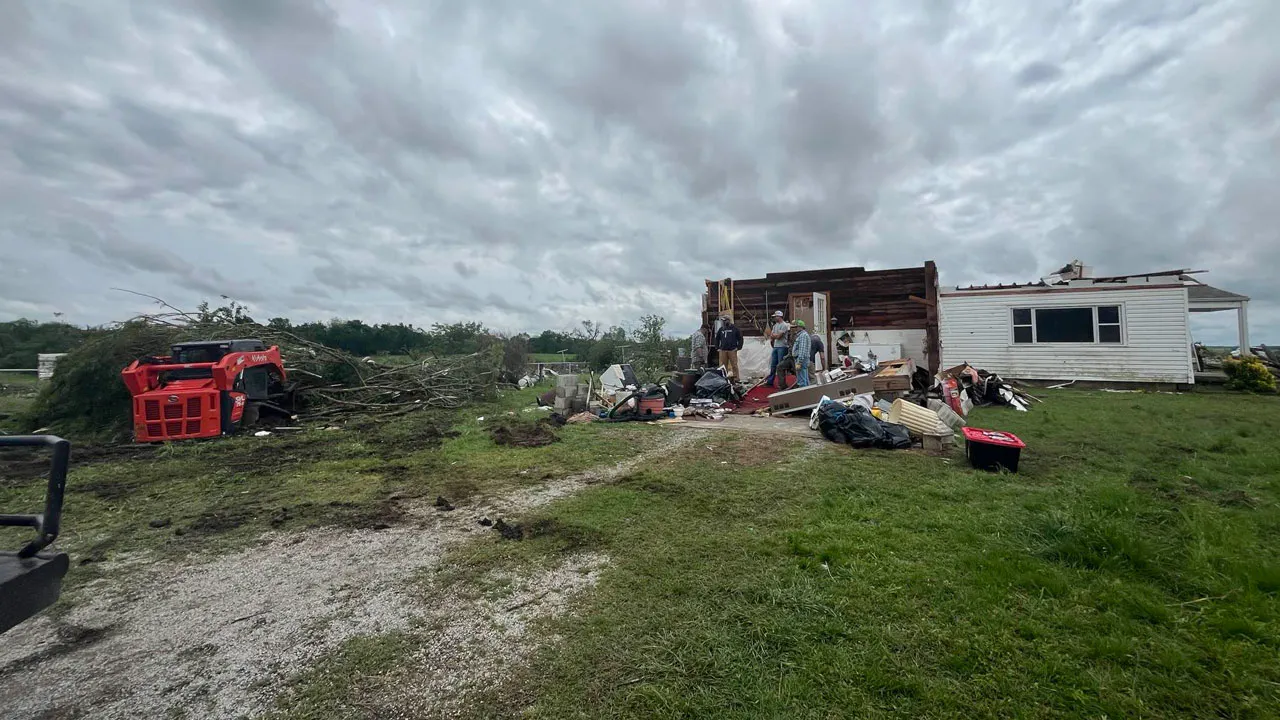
{"x":21,"y":465}
{"x":221,"y":636}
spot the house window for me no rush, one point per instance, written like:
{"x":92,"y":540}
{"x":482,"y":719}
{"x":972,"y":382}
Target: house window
{"x":1100,"y":324}
{"x":1023,"y":331}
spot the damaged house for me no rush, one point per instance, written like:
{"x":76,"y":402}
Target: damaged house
{"x":880,"y":314}
{"x":1072,"y":326}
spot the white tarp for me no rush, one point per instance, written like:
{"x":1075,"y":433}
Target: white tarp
{"x":753,"y":358}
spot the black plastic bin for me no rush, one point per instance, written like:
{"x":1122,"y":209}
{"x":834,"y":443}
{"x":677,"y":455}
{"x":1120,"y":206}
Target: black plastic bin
{"x":992,"y":449}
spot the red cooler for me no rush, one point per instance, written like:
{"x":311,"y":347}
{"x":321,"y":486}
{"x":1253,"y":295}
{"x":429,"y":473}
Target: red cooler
{"x":992,"y":449}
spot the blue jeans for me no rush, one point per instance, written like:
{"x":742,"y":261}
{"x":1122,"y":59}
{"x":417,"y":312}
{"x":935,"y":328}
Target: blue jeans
{"x":774,"y":359}
{"x":802,"y":375}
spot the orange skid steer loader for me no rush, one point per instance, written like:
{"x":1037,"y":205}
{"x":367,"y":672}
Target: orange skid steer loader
{"x":206,"y":389}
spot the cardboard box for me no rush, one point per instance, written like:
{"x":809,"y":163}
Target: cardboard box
{"x":894,"y":375}
{"x":805,"y":398}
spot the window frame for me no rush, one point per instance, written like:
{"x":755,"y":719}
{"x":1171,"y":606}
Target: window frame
{"x":1120,"y":323}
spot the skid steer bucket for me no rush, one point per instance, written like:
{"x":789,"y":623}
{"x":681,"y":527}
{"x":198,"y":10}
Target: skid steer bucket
{"x":31,"y":579}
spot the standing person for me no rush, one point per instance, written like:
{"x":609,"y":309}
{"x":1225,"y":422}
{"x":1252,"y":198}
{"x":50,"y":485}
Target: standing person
{"x":778,"y":336}
{"x":698,"y":348}
{"x":728,"y":343}
{"x":819,"y":351}
{"x":802,"y":351}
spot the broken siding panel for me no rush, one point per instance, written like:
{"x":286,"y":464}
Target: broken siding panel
{"x":1157,"y":347}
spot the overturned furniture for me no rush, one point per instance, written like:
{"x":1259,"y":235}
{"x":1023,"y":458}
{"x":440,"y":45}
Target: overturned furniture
{"x":31,"y":578}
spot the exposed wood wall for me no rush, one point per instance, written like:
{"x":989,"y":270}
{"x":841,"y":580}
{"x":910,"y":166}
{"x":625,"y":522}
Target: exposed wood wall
{"x":860,"y":299}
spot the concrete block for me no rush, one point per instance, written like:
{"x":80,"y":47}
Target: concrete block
{"x":567,"y":392}
{"x":566,"y":380}
{"x":563,"y":404}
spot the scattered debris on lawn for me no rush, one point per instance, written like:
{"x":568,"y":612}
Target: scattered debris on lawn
{"x":897,"y":405}
{"x":965,"y":386}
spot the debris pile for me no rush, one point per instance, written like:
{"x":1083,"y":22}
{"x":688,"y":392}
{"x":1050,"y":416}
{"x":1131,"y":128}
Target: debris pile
{"x":86,"y":395}
{"x":895,"y":406}
{"x":964,"y":387}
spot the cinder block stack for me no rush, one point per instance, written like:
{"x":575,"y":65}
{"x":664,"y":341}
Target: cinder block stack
{"x":571,"y":396}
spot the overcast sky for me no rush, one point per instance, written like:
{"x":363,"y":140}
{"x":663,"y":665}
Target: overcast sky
{"x":529,"y":164}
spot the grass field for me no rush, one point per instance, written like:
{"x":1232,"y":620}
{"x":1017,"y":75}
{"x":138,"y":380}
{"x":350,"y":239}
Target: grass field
{"x":552,"y":357}
{"x":17,"y":390}
{"x":1131,"y":569}
{"x":217,"y":496}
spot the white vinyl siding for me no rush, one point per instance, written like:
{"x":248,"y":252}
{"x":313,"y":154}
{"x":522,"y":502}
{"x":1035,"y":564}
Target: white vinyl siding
{"x":1156,"y":341}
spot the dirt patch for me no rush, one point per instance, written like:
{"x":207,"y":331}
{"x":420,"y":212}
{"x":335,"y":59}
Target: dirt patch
{"x":218,"y":636}
{"x":749,"y":451}
{"x":220,"y":521}
{"x":394,"y":472}
{"x":1182,"y":488}
{"x":1238,"y":498}
{"x":506,"y":431}
{"x":22,"y":466}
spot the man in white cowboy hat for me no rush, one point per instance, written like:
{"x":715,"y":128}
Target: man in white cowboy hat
{"x":781,"y":344}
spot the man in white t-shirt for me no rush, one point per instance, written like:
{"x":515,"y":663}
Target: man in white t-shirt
{"x":779,"y":337}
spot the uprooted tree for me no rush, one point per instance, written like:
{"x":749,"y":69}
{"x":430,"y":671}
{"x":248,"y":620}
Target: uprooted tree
{"x":86,"y":397}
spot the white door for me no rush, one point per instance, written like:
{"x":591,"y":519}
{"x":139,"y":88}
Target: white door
{"x":822,"y":326}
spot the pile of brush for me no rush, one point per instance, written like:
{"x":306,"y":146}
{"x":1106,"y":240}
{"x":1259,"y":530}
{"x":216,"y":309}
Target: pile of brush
{"x":87,"y":397}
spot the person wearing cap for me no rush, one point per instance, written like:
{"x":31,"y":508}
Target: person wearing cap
{"x":802,"y":351}
{"x":778,"y":337}
{"x":728,"y":343}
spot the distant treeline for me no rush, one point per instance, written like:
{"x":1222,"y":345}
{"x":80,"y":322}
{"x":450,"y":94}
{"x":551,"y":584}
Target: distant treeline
{"x":21,"y":340}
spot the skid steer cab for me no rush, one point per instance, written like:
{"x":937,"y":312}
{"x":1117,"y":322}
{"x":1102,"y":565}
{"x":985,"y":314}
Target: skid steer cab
{"x":206,"y":389}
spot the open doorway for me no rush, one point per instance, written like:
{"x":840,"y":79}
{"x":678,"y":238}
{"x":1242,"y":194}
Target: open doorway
{"x":814,"y":309}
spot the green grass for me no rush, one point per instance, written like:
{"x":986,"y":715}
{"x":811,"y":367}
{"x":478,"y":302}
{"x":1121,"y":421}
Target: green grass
{"x":552,"y":357}
{"x":1130,"y":569}
{"x":217,"y":496}
{"x":17,"y":392}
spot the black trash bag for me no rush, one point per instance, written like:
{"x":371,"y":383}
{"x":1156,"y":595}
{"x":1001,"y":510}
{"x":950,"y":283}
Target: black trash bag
{"x":830,"y":416}
{"x":855,"y":426}
{"x":713,"y":385}
{"x":896,"y":437}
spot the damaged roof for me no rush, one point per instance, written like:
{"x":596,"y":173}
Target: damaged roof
{"x":1179,"y":275}
{"x":1209,"y":292}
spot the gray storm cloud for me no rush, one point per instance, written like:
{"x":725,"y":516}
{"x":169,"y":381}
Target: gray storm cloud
{"x":530,"y":164}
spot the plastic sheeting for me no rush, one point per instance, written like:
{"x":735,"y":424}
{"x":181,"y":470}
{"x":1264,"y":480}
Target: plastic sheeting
{"x":753,"y":358}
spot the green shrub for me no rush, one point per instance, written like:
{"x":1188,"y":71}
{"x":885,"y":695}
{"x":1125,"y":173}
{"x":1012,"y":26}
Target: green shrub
{"x":1248,"y":373}
{"x":86,"y":396}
